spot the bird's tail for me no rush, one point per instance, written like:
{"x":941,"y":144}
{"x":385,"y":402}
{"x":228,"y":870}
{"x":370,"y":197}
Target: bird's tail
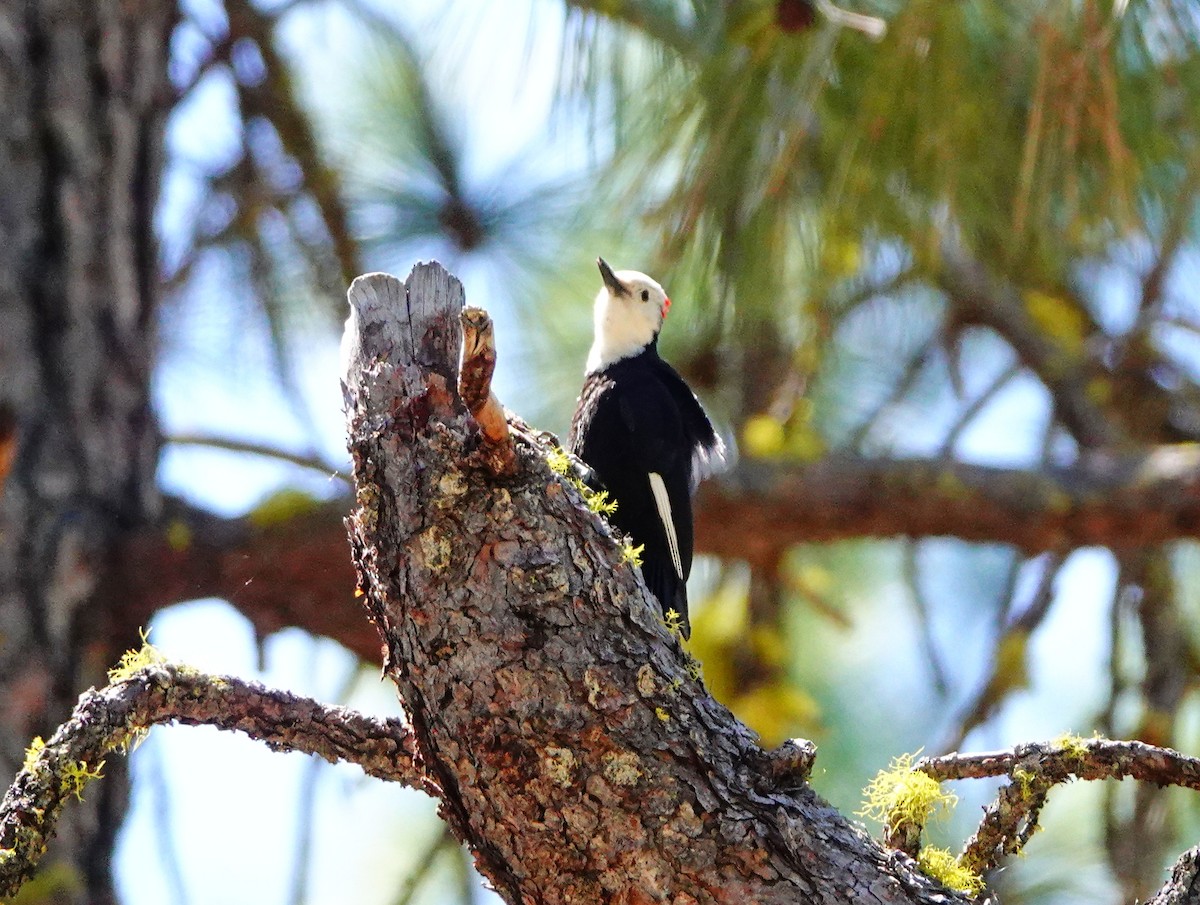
{"x":670,"y":590}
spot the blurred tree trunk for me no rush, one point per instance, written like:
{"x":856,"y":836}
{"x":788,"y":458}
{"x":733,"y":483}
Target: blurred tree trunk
{"x":83,"y":95}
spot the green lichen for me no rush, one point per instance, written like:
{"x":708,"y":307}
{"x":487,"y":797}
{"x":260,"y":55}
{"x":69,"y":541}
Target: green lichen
{"x":941,"y":864}
{"x":76,"y":776}
{"x":597,"y":501}
{"x":32,"y":753}
{"x":133,"y":661}
{"x":632,"y":554}
{"x":899,"y":795}
{"x":674,"y":623}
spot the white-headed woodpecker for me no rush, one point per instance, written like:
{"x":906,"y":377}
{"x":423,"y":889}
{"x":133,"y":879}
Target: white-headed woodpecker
{"x":643,"y":433}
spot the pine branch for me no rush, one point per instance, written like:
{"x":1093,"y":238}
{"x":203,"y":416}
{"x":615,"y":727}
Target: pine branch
{"x":233,"y":444}
{"x":293,"y":571}
{"x":1060,"y":362}
{"x":114,"y":718}
{"x":1120,"y":501}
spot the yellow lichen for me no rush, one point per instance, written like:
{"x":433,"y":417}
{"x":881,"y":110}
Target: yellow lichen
{"x":899,"y":795}
{"x":179,"y":535}
{"x":1023,"y":778}
{"x":452,"y":484}
{"x":282,"y":506}
{"x":1074,"y":747}
{"x":76,"y":776}
{"x":1061,"y":321}
{"x":132,"y":740}
{"x":597,"y":501}
{"x":632,"y":554}
{"x":132,"y":661}
{"x":559,"y":461}
{"x":941,"y":864}
{"x":674,"y":623}
{"x":661,"y":713}
{"x":592,"y":683}
{"x":33,"y":752}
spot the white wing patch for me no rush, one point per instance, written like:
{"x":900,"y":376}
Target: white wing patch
{"x":663,"y":503}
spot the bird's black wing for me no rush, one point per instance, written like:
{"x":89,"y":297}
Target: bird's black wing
{"x":628,"y":429}
{"x":708,"y":453}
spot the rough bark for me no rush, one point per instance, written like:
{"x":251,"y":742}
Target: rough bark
{"x":83,"y":93}
{"x":576,"y":753}
{"x":1183,"y":888}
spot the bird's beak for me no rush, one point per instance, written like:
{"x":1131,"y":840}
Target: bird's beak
{"x":610,"y":279}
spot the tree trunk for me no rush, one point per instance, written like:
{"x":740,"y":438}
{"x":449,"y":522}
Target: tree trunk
{"x":83,"y":94}
{"x":575,"y":749}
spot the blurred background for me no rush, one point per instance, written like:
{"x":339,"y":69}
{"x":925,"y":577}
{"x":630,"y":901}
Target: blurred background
{"x":907,"y":231}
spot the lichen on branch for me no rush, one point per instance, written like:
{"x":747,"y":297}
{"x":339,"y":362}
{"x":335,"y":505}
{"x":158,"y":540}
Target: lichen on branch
{"x":149,"y":691}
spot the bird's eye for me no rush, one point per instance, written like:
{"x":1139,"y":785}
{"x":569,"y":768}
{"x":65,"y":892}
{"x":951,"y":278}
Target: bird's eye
{"x":645,"y":295}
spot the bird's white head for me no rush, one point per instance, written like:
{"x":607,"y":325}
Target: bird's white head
{"x":628,"y":315}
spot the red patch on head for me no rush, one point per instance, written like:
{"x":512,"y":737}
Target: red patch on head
{"x":666,"y":306}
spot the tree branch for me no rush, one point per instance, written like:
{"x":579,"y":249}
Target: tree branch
{"x":475,"y":385}
{"x":113,"y":719}
{"x":1063,"y":368}
{"x":1034,"y":768}
{"x":1183,"y":888}
{"x":293,"y":571}
{"x":233,"y":444}
{"x":1116,"y":501}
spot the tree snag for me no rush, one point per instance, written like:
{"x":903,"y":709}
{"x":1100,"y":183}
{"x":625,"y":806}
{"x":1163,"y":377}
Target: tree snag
{"x":576,"y":751}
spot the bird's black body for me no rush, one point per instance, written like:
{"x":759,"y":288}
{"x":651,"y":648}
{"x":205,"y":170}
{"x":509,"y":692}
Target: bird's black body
{"x":637,"y":417}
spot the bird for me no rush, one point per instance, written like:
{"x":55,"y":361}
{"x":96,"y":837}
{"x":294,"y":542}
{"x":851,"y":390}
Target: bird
{"x":643,"y":434}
